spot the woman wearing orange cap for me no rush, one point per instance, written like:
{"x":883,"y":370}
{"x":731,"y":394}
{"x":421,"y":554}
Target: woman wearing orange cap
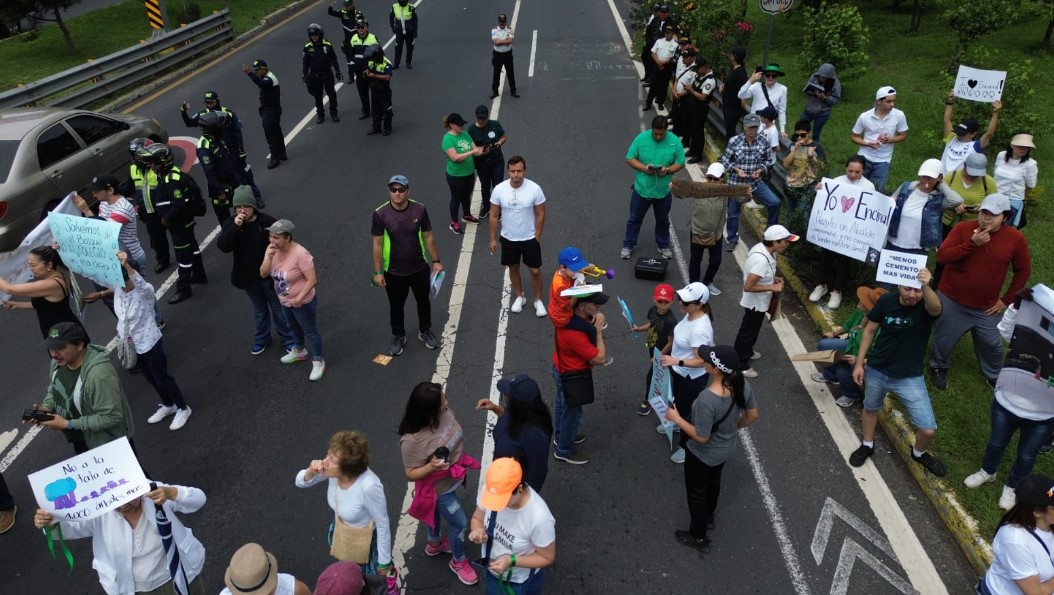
{"x":516,"y":529}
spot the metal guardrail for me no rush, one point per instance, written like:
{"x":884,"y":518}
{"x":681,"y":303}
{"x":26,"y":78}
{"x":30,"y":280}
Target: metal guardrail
{"x":84,"y":84}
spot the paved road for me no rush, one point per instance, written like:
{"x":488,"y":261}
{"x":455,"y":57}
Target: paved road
{"x":256,"y":422}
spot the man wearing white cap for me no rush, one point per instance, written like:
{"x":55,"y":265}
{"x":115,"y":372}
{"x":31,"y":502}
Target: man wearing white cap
{"x":977,"y":256}
{"x":759,"y":284}
{"x":875,"y":131}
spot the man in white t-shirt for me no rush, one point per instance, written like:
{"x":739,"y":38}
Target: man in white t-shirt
{"x":519,"y":204}
{"x":759,"y":284}
{"x":876,"y":130}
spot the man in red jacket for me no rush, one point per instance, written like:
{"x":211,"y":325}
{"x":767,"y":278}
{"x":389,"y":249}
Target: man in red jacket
{"x":977,"y":256}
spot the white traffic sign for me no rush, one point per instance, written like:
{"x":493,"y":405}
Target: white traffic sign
{"x":775,"y":6}
{"x":852,"y":550}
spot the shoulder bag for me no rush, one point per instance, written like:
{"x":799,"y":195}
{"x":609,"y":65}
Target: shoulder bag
{"x":350,"y":543}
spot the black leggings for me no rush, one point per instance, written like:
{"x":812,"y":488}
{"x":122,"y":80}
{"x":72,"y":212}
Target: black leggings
{"x":702,"y":485}
{"x":460,"y":194}
{"x":695,"y":262}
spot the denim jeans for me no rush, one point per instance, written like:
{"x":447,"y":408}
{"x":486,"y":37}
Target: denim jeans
{"x":732,"y":222}
{"x":877,"y":172}
{"x":154,"y":364}
{"x":265,"y":308}
{"x":818,"y":121}
{"x":841,"y":372}
{"x":911,"y":391}
{"x":1034,"y":434}
{"x":449,"y":508}
{"x":764,"y":195}
{"x":567,"y":421}
{"x":304,"y":323}
{"x":534,"y":585}
{"x":638,"y":208}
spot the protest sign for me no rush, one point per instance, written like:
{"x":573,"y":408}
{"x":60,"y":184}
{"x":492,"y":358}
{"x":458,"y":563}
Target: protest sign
{"x":659,"y":396}
{"x":13,"y":264}
{"x":88,"y":247}
{"x":900,"y":268}
{"x":979,"y":85}
{"x":1028,"y":370}
{"x":627,"y":315}
{"x":90,"y":484}
{"x":849,"y":220}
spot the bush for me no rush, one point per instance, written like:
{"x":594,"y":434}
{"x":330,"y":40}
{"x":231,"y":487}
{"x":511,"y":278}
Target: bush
{"x":836,"y":34}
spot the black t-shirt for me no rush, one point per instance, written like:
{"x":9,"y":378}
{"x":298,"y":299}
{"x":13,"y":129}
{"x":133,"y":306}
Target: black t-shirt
{"x":531,"y":446}
{"x":733,"y":83}
{"x":905,"y":334}
{"x":404,"y":229}
{"x":490,"y":133}
{"x":661,"y":328}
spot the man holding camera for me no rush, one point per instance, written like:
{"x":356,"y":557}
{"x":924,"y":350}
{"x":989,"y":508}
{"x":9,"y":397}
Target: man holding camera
{"x":655,"y":155}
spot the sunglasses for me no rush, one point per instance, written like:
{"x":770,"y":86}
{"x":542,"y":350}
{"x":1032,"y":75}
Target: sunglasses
{"x":801,"y":134}
{"x":397,"y":189}
{"x":771,"y":76}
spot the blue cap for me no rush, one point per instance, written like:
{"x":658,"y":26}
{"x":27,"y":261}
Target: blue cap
{"x":522,"y":388}
{"x":572,"y":258}
{"x":399,"y":179}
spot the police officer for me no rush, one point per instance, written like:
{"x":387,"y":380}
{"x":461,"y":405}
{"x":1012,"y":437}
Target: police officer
{"x":270,"y":109}
{"x":348,"y":16}
{"x":221,"y":170}
{"x":140,"y":188}
{"x":232,"y":136}
{"x":379,"y":73}
{"x":319,"y":58}
{"x":175,"y":205}
{"x":403,"y":21}
{"x":360,"y":44}
{"x":502,"y":37}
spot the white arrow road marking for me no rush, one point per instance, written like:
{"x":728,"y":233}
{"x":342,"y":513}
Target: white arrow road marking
{"x":851,"y":550}
{"x":832,"y":509}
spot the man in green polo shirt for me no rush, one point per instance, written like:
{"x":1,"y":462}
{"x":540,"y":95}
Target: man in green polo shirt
{"x":655,"y":155}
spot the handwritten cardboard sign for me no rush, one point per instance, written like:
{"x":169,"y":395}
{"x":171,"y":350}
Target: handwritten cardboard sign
{"x":88,"y":247}
{"x":848,"y":219}
{"x":900,"y":268}
{"x":659,"y":395}
{"x":979,"y":85}
{"x":90,"y":484}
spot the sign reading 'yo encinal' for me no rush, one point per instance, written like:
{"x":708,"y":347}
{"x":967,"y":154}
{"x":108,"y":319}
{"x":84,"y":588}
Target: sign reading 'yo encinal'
{"x":848,"y":219}
{"x":775,"y":6}
{"x":979,"y":85}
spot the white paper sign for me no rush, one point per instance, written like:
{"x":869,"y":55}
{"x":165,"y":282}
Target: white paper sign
{"x":90,"y":484}
{"x":900,"y":268}
{"x":659,"y":396}
{"x":979,"y":85}
{"x":849,"y":220}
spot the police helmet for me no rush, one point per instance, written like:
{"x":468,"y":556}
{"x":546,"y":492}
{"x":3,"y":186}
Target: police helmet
{"x":160,"y":155}
{"x":136,"y":144}
{"x":349,"y":2}
{"x":212,"y":97}
{"x":314,"y":29}
{"x":362,"y":23}
{"x":374,"y":53}
{"x":212,"y":119}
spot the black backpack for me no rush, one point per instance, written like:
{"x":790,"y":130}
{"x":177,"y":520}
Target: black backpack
{"x":196,"y":200}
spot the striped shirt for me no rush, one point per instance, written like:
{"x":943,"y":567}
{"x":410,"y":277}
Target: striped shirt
{"x":123,"y":212}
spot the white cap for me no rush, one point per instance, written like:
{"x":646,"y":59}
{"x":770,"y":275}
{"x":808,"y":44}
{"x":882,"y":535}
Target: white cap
{"x":716,"y":169}
{"x":931,"y":168}
{"x":776,"y":233}
{"x":995,"y":203}
{"x":694,"y":292}
{"x":884,"y":92}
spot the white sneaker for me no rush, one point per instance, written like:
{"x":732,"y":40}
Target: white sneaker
{"x":517,"y":304}
{"x":161,"y":413}
{"x":539,"y":309}
{"x":180,"y":420}
{"x":293,"y":356}
{"x":819,"y":377}
{"x":978,"y":479}
{"x":713,"y":290}
{"x":678,"y":456}
{"x":1008,"y":498}
{"x":659,"y":429}
{"x":625,"y":253}
{"x":835,"y":301}
{"x":753,"y":204}
{"x":819,"y":292}
{"x":750,"y":373}
{"x":755,"y":355}
{"x":318,"y":368}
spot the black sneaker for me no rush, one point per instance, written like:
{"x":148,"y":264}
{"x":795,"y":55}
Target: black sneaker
{"x":320,"y":118}
{"x":429,"y":339}
{"x":940,"y":378}
{"x":686,"y":538}
{"x":398,"y":343}
{"x":931,"y":463}
{"x":1046,"y":448}
{"x":710,"y":524}
{"x":644,"y":408}
{"x":861,"y":455}
{"x":990,"y":382}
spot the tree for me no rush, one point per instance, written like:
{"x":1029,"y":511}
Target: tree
{"x":836,"y":33}
{"x":39,"y":10}
{"x":976,"y":18}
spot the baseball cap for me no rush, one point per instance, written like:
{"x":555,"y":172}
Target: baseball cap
{"x":694,"y":292}
{"x":211,"y":96}
{"x":522,"y":388}
{"x":282,"y":226}
{"x":482,"y":111}
{"x":599,"y":298}
{"x":751,"y":121}
{"x":967,"y":126}
{"x":64,"y":333}
{"x":572,"y":258}
{"x":722,"y":357}
{"x":1035,"y":490}
{"x":503,"y":477}
{"x":102,"y":182}
{"x":768,"y":112}
{"x":663,"y":291}
{"x":869,"y":295}
{"x":884,"y":92}
{"x":995,"y":203}
{"x":502,"y":18}
{"x":399,"y":179}
{"x":716,"y":169}
{"x":1023,"y":140}
{"x":340,"y":578}
{"x":976,"y":164}
{"x":259,"y":63}
{"x":664,"y":8}
{"x":243,"y":197}
{"x":931,"y":168}
{"x":455,"y":119}
{"x":700,"y":62}
{"x":669,"y":29}
{"x":777,"y":232}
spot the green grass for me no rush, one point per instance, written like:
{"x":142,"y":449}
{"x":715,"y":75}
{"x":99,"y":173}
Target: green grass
{"x":29,"y":57}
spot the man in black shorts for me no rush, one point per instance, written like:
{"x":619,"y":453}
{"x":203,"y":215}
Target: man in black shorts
{"x":519,"y":204}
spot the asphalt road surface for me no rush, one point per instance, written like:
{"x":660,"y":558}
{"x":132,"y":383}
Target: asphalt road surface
{"x":793,"y":516}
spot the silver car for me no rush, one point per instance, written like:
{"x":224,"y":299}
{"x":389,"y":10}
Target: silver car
{"x":45,"y":153}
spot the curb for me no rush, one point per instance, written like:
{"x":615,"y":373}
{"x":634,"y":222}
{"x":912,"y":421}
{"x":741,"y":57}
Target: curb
{"x":182,"y":70}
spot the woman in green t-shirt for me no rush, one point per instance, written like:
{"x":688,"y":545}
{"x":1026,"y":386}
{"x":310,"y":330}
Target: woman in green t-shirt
{"x":460,"y":169}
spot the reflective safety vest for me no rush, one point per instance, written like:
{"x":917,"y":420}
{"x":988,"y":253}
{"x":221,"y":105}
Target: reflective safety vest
{"x":380,"y":68}
{"x":403,"y":14}
{"x":386,"y":246}
{"x":138,"y":176}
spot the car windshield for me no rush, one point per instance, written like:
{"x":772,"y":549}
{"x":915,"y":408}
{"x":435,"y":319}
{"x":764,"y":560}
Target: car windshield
{"x":7,"y":157}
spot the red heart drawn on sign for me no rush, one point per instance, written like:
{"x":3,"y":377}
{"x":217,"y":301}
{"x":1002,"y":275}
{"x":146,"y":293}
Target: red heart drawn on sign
{"x":847,"y":203}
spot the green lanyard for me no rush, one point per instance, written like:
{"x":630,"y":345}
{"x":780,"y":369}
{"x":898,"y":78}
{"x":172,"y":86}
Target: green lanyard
{"x":51,"y":546}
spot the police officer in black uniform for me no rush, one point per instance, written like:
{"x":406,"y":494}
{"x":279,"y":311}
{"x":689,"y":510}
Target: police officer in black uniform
{"x":379,"y":72}
{"x":220,"y":167}
{"x":140,"y":188}
{"x":403,"y":21}
{"x":348,"y":16}
{"x":270,"y":109}
{"x":319,"y":58}
{"x":359,"y":44}
{"x":174,"y":204}
{"x":652,"y":33}
{"x":232,"y":136}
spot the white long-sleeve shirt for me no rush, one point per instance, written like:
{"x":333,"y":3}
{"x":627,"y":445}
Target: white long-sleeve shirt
{"x":777,"y":95}
{"x":137,"y":308}
{"x":357,"y":505}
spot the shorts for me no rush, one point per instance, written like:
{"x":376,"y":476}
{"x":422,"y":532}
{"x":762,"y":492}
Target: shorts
{"x":528,"y":250}
{"x":911,"y":391}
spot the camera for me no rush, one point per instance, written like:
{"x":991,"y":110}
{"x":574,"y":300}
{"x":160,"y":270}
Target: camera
{"x":442,"y":453}
{"x":654,"y":168}
{"x":37,"y":415}
{"x":759,"y":69}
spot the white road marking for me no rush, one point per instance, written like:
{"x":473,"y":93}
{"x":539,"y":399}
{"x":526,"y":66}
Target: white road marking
{"x":534,"y":49}
{"x":852,"y":550}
